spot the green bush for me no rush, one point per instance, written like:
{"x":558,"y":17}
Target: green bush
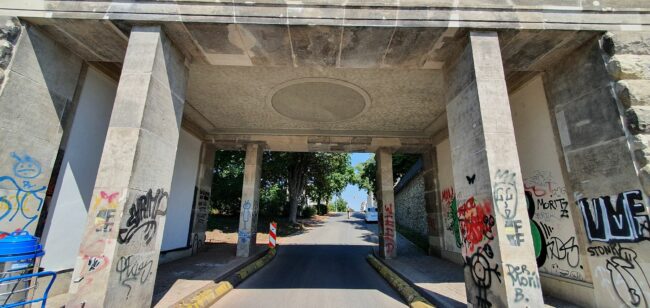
{"x":308,"y":212}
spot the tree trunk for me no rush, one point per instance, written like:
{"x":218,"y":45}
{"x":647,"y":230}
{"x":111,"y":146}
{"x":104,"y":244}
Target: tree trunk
{"x":297,"y":183}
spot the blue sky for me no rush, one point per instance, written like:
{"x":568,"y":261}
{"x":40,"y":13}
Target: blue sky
{"x":352,"y":194}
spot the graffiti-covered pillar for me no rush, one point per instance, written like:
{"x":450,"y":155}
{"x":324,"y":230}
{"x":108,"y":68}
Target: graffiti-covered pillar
{"x":38,"y":81}
{"x":201,"y":208}
{"x":118,"y":256}
{"x":250,"y":200}
{"x":500,"y":266}
{"x":386,"y":204}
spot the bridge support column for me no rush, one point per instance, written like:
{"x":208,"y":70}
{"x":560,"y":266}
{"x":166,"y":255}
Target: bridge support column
{"x":201,"y":209}
{"x":250,"y":201}
{"x":386,"y":204}
{"x":118,"y":256}
{"x":500,"y":266}
{"x":432,"y":202}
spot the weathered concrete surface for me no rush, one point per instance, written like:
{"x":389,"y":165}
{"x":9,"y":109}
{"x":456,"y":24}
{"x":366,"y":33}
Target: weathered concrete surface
{"x":118,"y":257}
{"x":247,"y":234}
{"x":202,"y":206}
{"x":597,"y":146}
{"x":39,"y":79}
{"x":432,"y":202}
{"x":497,"y":244}
{"x":386,"y":204}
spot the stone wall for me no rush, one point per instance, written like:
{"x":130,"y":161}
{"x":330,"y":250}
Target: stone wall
{"x":609,"y":205}
{"x":9,"y":32}
{"x":410,"y":211}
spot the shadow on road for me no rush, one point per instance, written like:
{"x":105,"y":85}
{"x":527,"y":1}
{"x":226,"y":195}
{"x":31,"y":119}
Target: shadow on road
{"x":321,"y":267}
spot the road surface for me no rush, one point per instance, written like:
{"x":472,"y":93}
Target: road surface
{"x":324,"y":267}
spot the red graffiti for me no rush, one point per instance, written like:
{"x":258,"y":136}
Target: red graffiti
{"x":389,"y":229}
{"x":538,"y":191}
{"x":476,"y":222}
{"x":448,"y":195}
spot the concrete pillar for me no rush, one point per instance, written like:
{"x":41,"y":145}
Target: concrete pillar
{"x":118,"y":256}
{"x":432,"y":203}
{"x":201,"y":208}
{"x":386,"y":204}
{"x":497,"y":247}
{"x":38,"y":81}
{"x":250,"y":201}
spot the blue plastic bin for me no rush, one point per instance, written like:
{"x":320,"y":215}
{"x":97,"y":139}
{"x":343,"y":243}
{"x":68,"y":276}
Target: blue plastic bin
{"x":20,"y":256}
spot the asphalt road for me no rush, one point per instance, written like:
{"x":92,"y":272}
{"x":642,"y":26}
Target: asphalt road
{"x":324,"y":267}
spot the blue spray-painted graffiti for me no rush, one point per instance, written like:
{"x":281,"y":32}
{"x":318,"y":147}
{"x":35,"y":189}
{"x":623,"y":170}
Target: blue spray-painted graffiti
{"x":18,"y":195}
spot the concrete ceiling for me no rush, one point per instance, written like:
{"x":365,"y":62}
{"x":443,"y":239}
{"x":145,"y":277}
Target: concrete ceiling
{"x":397,"y":71}
{"x":397,"y":102}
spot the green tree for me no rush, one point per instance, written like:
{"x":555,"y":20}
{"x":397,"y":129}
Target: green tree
{"x":329,"y":174}
{"x":339,"y":205}
{"x":366,"y":175}
{"x":227,"y":181}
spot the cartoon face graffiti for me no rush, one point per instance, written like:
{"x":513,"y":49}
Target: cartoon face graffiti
{"x":26,"y":167}
{"x":505,"y":194}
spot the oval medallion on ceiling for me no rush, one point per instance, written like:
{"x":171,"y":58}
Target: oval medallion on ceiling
{"x":318,"y":100}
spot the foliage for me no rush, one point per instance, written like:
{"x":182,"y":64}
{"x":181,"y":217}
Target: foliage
{"x":366,"y":173}
{"x":330,"y":173}
{"x":322,"y":209}
{"x":273,"y":199}
{"x":285,"y":177}
{"x":227,"y":181}
{"x":308,"y":212}
{"x":339,"y":205}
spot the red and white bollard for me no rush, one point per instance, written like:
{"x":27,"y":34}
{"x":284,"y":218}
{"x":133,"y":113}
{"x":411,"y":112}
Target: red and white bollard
{"x":272,"y":238}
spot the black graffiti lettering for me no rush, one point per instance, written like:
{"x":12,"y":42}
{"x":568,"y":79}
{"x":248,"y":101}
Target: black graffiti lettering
{"x":564,"y":250}
{"x":628,"y":278}
{"x":142,"y":216}
{"x":522,"y":277}
{"x":482,"y":272}
{"x":622,"y":221}
{"x":131,"y":269}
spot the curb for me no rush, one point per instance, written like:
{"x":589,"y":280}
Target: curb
{"x":412,"y":297}
{"x":207,"y":296}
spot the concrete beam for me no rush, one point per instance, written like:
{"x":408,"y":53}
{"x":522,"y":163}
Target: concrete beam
{"x":613,"y":15}
{"x":321,"y":143}
{"x":250,"y":199}
{"x":500,"y":269}
{"x":118,"y":257}
{"x":386,"y":204}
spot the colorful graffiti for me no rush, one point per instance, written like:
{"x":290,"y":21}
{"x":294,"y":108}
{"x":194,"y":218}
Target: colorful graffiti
{"x":449,"y":204}
{"x":553,"y":234}
{"x":20,"y":199}
{"x":389,"y":229}
{"x":475,"y":224}
{"x":626,"y":220}
{"x":106,"y":205}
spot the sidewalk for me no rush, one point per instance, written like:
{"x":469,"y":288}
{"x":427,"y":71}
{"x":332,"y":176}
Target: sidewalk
{"x":178,"y":279}
{"x":439,"y":280}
